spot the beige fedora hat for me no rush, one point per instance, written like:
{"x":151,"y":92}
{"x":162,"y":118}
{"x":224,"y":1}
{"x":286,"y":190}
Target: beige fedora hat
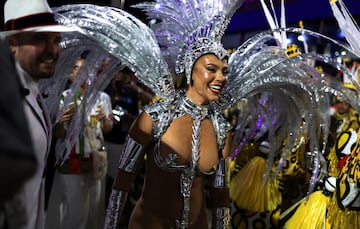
{"x":30,"y":15}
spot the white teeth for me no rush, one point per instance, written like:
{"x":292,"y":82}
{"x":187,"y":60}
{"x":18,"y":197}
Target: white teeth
{"x":215,"y":87}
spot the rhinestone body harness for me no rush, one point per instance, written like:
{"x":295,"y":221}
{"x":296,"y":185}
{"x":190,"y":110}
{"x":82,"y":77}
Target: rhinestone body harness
{"x":162,"y":115}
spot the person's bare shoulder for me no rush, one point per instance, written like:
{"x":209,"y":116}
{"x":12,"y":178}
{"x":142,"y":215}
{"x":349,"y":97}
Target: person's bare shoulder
{"x":141,"y":129}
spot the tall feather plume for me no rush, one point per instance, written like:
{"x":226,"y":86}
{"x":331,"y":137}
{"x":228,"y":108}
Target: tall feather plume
{"x":126,"y":38}
{"x":73,"y":46}
{"x":297,"y":96}
{"x":273,"y":21}
{"x":109,"y":33}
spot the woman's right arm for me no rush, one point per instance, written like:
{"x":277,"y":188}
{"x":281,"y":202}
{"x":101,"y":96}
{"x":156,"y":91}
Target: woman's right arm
{"x":130,"y":161}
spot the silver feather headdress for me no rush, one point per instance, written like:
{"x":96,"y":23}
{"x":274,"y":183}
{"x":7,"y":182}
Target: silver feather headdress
{"x":188,"y":29}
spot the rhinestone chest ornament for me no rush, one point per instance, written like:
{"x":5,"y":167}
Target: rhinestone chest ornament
{"x":187,"y":176}
{"x":182,"y":106}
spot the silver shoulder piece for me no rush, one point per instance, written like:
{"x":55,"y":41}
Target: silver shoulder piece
{"x":162,"y":114}
{"x":157,"y":112}
{"x":221,"y":126}
{"x":130,"y":156}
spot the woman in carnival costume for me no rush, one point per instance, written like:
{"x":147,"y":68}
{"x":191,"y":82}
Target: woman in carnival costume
{"x":184,"y":136}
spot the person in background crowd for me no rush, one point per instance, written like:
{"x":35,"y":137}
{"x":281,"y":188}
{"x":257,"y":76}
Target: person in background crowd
{"x":34,"y":36}
{"x":82,"y":193}
{"x":343,"y":116}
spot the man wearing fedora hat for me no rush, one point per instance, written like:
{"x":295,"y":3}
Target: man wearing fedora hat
{"x":17,"y":158}
{"x":34,"y":38}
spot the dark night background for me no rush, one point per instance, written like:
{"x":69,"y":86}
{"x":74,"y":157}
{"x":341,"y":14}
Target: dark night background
{"x":249,"y":19}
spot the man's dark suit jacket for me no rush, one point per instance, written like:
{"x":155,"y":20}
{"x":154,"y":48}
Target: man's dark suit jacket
{"x":17,"y":160}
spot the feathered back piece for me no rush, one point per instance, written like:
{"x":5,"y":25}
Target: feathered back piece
{"x":109,"y":33}
{"x":126,"y":38}
{"x":97,"y":71}
{"x":188,"y":29}
{"x":289,"y":99}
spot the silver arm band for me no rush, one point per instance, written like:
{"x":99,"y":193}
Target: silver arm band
{"x":128,"y":162}
{"x":222,"y":218}
{"x":115,"y":207}
{"x":130,"y":155}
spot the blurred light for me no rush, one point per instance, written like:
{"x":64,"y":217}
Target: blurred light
{"x":301,"y":38}
{"x":152,"y":21}
{"x":343,"y":53}
{"x":288,"y":40}
{"x":340,"y":34}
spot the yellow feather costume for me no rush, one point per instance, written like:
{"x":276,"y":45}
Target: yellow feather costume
{"x":339,"y":215}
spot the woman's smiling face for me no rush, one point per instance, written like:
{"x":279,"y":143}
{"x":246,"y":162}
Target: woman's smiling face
{"x":208,"y":79}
